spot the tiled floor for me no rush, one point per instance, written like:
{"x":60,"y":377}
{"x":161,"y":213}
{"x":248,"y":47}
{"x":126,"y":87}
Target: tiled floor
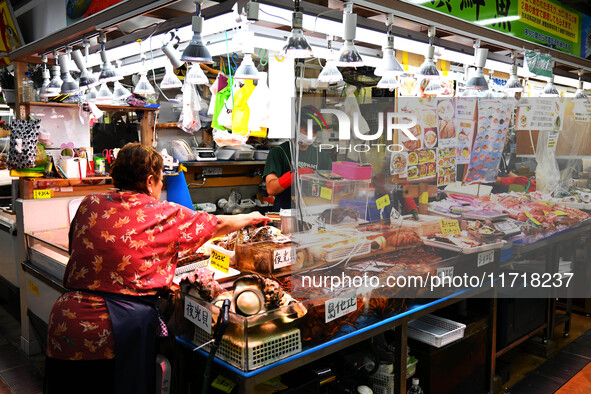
{"x":18,"y":374}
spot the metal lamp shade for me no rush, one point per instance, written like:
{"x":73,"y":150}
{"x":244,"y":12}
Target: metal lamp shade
{"x":196,"y":51}
{"x":55,"y":85}
{"x":389,"y":64}
{"x":513,"y":84}
{"x":477,"y":82}
{"x":349,"y":56}
{"x":434,"y":87}
{"x":46,"y":79}
{"x":247,"y":70}
{"x":91,"y":95}
{"x":550,"y":90}
{"x":297,"y":45}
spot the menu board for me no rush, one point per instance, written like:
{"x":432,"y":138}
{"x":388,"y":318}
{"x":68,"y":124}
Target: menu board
{"x":465,"y":111}
{"x":446,"y":166}
{"x":421,"y":157}
{"x":399,"y":164}
{"x":493,"y":128}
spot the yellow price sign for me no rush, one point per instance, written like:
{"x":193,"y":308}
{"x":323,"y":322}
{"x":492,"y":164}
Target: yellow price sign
{"x":383,"y":201}
{"x":223,"y":384}
{"x":34,"y":288}
{"x":449,"y":226}
{"x":530,"y":217}
{"x":42,"y":193}
{"x":326,"y":193}
{"x":219,"y":261}
{"x":424,"y":198}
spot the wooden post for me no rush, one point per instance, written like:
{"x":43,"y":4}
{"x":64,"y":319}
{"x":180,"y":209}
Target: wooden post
{"x":147,"y":128}
{"x":422,"y":191}
{"x":21,"y":111}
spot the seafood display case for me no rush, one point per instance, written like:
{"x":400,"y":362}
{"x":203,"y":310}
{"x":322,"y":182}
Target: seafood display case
{"x":320,"y":197}
{"x":48,"y":249}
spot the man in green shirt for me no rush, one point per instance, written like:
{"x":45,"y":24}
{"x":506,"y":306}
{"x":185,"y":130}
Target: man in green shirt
{"x":279,"y":170}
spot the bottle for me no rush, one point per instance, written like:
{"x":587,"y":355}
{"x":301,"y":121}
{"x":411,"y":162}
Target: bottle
{"x":27,"y":88}
{"x":415,"y":388}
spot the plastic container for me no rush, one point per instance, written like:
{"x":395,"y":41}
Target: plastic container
{"x":435,"y":331}
{"x":224,"y":153}
{"x":26,"y":89}
{"x":367,"y":211}
{"x":351,"y":170}
{"x":261,"y":154}
{"x":425,"y":226}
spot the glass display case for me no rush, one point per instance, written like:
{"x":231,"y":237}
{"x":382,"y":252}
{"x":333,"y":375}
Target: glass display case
{"x":48,"y":249}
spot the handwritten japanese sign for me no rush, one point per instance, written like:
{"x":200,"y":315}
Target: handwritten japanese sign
{"x":449,"y":226}
{"x":338,"y":307}
{"x":198,"y":315}
{"x":219,"y":261}
{"x":282,"y":258}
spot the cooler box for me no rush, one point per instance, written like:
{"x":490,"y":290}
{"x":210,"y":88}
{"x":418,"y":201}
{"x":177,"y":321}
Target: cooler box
{"x":351,"y":170}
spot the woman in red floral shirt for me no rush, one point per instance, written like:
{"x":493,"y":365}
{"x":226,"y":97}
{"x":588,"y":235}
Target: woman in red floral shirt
{"x":124,"y":248}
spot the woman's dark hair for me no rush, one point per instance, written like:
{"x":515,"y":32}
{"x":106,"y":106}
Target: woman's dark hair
{"x":134,"y":164}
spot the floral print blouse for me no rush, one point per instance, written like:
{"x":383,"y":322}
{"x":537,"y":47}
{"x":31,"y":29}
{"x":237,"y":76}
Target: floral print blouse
{"x":124,"y":243}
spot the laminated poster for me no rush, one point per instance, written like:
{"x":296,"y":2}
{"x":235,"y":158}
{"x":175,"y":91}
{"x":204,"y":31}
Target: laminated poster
{"x":446,"y":166}
{"x":446,"y":124}
{"x":544,"y":114}
{"x":399,"y":164}
{"x":421,"y":164}
{"x":421,"y":158}
{"x":493,"y":128}
{"x":412,"y":107}
{"x":465,"y":138}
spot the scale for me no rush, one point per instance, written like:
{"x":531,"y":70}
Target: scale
{"x":204,"y":154}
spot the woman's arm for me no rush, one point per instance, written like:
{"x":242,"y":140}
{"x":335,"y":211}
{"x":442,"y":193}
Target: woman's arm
{"x":230,"y":223}
{"x":273,"y":186}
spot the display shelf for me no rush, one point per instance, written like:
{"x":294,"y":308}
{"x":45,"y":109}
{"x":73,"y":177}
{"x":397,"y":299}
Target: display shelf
{"x":106,"y":107}
{"x":248,"y":380}
{"x":223,"y":163}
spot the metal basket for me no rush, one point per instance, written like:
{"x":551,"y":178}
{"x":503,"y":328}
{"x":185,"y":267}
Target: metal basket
{"x":260,"y":351}
{"x":435,"y":331}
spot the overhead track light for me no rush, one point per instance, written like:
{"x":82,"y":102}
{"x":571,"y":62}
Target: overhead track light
{"x":108,"y":73}
{"x":389,"y":62}
{"x":143,"y":86}
{"x":196,"y":76}
{"x":428,"y":69}
{"x":550,"y":90}
{"x":296,"y":45}
{"x":196,"y":51}
{"x":330,"y":73}
{"x":46,"y":78}
{"x":170,"y":80}
{"x":69,"y":84}
{"x":86,"y":79}
{"x":247,"y":69}
{"x":580,"y":94}
{"x":55,"y":85}
{"x":104,"y":94}
{"x":348,"y":55}
{"x":120,"y":92}
{"x":513,"y":84}
{"x":477,"y":81}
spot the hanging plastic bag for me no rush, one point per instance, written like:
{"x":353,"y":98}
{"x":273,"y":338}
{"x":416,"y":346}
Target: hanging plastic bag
{"x":220,"y":101}
{"x":226,"y":138}
{"x":189,"y":119}
{"x":241,"y":112}
{"x":259,"y":105}
{"x":218,"y":85}
{"x":224,"y":119}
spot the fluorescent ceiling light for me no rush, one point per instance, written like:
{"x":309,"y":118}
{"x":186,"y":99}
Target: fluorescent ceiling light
{"x":503,"y":19}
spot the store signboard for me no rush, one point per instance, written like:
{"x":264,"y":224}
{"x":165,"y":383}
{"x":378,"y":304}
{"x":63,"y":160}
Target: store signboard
{"x":544,"y":22}
{"x":586,"y":37}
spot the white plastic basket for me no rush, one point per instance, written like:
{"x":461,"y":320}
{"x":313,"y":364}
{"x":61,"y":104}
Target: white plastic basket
{"x":382,"y":379}
{"x":377,"y":389}
{"x":260,"y":352}
{"x":435,"y":331}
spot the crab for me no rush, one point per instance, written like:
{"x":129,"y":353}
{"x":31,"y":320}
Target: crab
{"x":337,"y":215}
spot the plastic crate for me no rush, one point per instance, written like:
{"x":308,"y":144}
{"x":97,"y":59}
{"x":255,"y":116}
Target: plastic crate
{"x":377,"y":389}
{"x":435,"y":331}
{"x":382,"y":379}
{"x":260,"y":352}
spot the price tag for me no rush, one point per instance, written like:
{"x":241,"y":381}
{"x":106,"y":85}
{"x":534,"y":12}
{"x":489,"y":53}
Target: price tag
{"x":530,"y":217}
{"x":445,"y":272}
{"x":282,"y":258}
{"x":424,"y":198}
{"x":383,"y":202}
{"x":219,"y":261}
{"x":326,"y":193}
{"x":42,"y":193}
{"x":34,"y":288}
{"x":223,"y":384}
{"x":560,"y":213}
{"x":449,"y":226}
{"x":198,"y":315}
{"x":338,"y":307}
{"x":485,"y":258}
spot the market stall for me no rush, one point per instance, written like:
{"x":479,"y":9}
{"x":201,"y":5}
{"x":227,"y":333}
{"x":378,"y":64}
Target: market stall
{"x":417,"y":183}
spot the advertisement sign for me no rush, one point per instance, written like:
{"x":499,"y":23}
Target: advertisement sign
{"x":76,"y":10}
{"x":544,"y":22}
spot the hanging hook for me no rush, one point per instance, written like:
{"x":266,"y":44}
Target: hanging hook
{"x":264,"y":59}
{"x":235,"y":65}
{"x":279,"y":59}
